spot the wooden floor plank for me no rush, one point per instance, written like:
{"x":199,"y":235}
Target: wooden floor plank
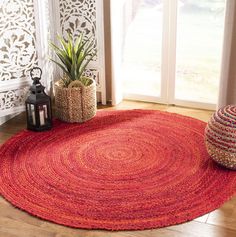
{"x":13,"y":213}
{"x":224,"y":216}
{"x":5,"y":234}
{"x":22,"y":229}
{"x":202,"y":219}
{"x":197,"y":229}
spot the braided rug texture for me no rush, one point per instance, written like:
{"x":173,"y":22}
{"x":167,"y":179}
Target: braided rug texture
{"x":122,"y":170}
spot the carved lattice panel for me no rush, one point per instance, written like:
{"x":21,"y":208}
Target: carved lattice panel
{"x":18,"y":52}
{"x":13,"y":98}
{"x":17,"y":39}
{"x":78,"y":17}
{"x":93,"y":73}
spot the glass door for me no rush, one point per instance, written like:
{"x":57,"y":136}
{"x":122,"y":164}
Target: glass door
{"x":142,"y":51}
{"x":171,"y":51}
{"x":200,"y":29}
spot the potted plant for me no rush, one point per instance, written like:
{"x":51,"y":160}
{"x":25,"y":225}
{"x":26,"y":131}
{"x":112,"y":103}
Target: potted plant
{"x":75,"y":94}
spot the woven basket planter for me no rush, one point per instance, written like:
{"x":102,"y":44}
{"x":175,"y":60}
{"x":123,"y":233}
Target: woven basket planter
{"x":77,"y":104}
{"x":220,"y":136}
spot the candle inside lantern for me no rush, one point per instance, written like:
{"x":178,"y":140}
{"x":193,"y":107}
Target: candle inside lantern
{"x":45,"y":111}
{"x":41,"y":116}
{"x":33,"y":114}
{"x":33,"y":117}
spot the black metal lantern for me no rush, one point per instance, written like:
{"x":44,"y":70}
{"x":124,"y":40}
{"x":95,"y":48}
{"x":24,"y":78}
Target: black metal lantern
{"x":38,"y":104}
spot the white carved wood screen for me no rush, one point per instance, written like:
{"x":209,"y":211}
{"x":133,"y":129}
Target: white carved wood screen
{"x":20,"y":50}
{"x":24,"y":35}
{"x":84,"y":16}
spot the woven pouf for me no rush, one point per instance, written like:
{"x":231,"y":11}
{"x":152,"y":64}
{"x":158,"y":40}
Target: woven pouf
{"x":220,"y":136}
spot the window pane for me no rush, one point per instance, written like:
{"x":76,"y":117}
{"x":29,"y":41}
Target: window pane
{"x":142,"y":47}
{"x":199,"y":45}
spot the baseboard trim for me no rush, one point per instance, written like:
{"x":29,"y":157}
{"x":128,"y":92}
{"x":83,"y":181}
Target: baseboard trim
{"x":4,"y":119}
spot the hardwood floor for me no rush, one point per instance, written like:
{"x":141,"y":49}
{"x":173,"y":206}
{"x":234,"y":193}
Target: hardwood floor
{"x":16,"y":223}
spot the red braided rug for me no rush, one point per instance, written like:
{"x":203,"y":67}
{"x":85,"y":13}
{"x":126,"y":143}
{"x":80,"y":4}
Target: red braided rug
{"x":121,"y":170}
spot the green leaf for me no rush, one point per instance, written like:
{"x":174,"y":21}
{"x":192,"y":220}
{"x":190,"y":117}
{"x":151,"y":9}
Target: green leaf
{"x":62,"y":67}
{"x":78,"y":43}
{"x":74,"y":64}
{"x":63,"y":44}
{"x":86,"y":64}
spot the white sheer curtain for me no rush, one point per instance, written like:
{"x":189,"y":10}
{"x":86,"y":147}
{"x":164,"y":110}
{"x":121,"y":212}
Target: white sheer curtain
{"x":116,"y":45}
{"x":227,"y":89}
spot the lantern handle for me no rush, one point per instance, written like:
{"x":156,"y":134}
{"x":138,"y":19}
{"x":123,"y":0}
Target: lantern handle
{"x":36,"y":73}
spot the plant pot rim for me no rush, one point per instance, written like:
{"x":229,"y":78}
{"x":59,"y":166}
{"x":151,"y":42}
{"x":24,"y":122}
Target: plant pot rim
{"x":75,"y":88}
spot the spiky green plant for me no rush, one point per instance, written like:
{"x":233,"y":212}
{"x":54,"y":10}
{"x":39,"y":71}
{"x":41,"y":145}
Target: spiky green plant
{"x":74,"y":57}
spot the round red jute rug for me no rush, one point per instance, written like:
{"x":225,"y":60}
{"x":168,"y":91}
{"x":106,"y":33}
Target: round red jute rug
{"x":122,"y":170}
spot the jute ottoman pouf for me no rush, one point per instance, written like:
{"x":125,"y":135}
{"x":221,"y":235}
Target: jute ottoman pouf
{"x":220,"y":136}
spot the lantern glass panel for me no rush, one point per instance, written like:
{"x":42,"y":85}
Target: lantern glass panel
{"x":44,"y":116}
{"x":31,"y":114}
